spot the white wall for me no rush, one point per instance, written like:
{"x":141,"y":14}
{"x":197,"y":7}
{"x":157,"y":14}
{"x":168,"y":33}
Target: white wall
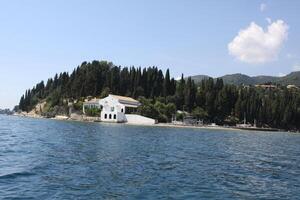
{"x":138,"y":119}
{"x":107,"y":104}
{"x":120,"y":117}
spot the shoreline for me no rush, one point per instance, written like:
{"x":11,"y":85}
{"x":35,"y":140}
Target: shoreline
{"x":163,"y":125}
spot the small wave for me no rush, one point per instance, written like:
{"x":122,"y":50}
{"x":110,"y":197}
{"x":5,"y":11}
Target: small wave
{"x":15,"y":175}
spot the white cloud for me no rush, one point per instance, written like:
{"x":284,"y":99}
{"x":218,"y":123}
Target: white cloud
{"x":296,"y":67}
{"x":269,"y":20}
{"x":263,"y":7}
{"x":256,"y":45}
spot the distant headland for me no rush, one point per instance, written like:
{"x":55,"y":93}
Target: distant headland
{"x":6,"y":111}
{"x":227,"y":101}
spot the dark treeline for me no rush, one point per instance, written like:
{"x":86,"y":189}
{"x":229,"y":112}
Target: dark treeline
{"x":161,"y":95}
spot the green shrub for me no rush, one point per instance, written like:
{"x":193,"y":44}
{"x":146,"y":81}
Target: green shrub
{"x":93,"y":112}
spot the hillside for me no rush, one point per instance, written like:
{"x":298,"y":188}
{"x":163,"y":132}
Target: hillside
{"x":238,"y":79}
{"x":265,"y":79}
{"x":161,"y":96}
{"x":241,"y":79}
{"x":292,"y":78}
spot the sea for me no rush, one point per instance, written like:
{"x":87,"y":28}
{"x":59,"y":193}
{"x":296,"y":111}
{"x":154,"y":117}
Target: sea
{"x":49,"y":159}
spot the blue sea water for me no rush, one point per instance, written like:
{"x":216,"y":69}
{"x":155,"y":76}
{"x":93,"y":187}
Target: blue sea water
{"x":47,"y":159}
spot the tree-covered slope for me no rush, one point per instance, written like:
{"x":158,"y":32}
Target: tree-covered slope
{"x":265,"y":79}
{"x":238,"y":79}
{"x":160,"y":95}
{"x":290,"y":79}
{"x":95,"y":78}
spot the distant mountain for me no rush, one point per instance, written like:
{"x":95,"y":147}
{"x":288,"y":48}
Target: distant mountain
{"x":265,"y":79}
{"x":238,"y":79}
{"x":290,"y":79}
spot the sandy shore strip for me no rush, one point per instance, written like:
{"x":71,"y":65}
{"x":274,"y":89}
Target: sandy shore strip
{"x":169,"y":125}
{"x":163,"y":125}
{"x":166,"y":125}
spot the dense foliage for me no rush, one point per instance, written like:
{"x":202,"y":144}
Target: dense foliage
{"x":93,"y":112}
{"x":161,"y":95}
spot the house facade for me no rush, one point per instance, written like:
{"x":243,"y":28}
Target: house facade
{"x":113,"y":107}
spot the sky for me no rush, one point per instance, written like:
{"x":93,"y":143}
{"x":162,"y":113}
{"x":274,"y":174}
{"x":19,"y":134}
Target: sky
{"x":41,"y":38}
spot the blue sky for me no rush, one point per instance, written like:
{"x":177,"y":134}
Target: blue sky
{"x":41,"y":38}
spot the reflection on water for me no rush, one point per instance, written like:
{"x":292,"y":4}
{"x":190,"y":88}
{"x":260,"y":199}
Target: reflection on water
{"x":46,"y":159}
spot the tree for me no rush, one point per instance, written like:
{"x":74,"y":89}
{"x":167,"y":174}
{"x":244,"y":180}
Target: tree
{"x":93,"y":112}
{"x":105,"y":92}
{"x":167,"y":84}
{"x":180,"y":92}
{"x":199,"y":113}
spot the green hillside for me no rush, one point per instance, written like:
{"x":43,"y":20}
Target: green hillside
{"x":238,"y":79}
{"x":290,"y":79}
{"x":265,"y":79}
{"x":241,"y":79}
{"x":160,"y":95}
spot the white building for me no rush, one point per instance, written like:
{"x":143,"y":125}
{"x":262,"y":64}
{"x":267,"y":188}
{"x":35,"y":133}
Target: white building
{"x":116,"y":108}
{"x":292,"y":87}
{"x":113,"y":108}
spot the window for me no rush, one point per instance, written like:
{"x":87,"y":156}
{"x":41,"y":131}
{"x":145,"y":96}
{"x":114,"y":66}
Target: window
{"x":109,"y":116}
{"x":122,"y":110}
{"x":115,"y":116}
{"x":112,"y":109}
{"x":105,"y":116}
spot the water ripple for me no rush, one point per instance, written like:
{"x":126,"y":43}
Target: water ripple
{"x":46,"y":159}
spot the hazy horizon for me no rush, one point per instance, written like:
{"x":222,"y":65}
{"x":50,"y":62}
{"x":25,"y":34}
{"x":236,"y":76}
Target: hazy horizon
{"x":210,"y":37}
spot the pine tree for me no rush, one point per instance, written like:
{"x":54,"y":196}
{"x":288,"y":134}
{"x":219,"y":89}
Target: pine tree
{"x":167,"y":84}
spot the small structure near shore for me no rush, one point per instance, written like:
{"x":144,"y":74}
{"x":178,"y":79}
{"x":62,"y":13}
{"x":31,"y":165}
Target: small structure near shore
{"x":115,"y":108}
{"x":93,"y":103}
{"x":266,"y":86}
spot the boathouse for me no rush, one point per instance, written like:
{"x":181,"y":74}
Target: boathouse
{"x":115,"y":108}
